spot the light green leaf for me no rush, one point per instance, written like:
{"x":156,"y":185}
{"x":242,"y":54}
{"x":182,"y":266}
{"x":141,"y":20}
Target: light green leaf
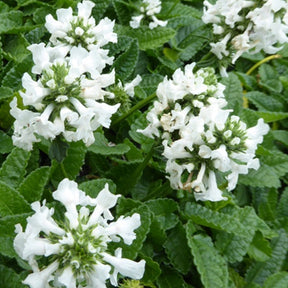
{"x":33,"y":185}
{"x":278,"y":280}
{"x":102,"y":147}
{"x":210,"y":265}
{"x":272,"y":116}
{"x":282,"y":210}
{"x":14,"y":168}
{"x":177,"y":249}
{"x":260,"y":248}
{"x":11,"y":202}
{"x":260,"y":271}
{"x":233,"y":93}
{"x":281,"y":136}
{"x":147,"y":38}
{"x":10,"y":20}
{"x":5,"y":92}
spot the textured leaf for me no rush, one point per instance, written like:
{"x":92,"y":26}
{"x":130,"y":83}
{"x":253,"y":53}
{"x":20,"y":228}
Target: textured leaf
{"x":9,"y":278}
{"x":33,"y":185}
{"x":102,"y":147}
{"x":282,"y":210}
{"x":272,"y":116}
{"x":10,"y":20}
{"x":93,"y":187}
{"x":210,"y":265}
{"x":278,"y":280}
{"x":5,"y":92}
{"x":170,"y":279}
{"x":233,"y":93}
{"x":259,"y":249}
{"x":6,"y":143}
{"x":13,"y":169}
{"x":11,"y":202}
{"x":281,"y":136}
{"x":263,"y":101}
{"x":6,"y":247}
{"x":213,"y":219}
{"x":260,"y":271}
{"x":100,"y":8}
{"x":7,"y":224}
{"x":132,"y":250}
{"x":72,"y":163}
{"x":273,"y":165}
{"x":152,"y":270}
{"x":177,"y":249}
{"x":147,"y":38}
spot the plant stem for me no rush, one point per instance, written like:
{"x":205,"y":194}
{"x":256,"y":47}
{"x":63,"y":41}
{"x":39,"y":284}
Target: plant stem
{"x":139,"y":105}
{"x":254,"y":67}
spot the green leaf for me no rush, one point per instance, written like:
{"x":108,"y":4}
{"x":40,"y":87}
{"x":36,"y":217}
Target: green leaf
{"x":6,"y":247}
{"x":281,"y":136}
{"x":233,"y":93}
{"x":272,"y":116}
{"x":210,"y":265}
{"x":102,"y":147}
{"x":58,"y":149}
{"x":100,"y":8}
{"x":282,"y":210}
{"x":125,"y":64}
{"x":5,"y":93}
{"x":278,"y":280}
{"x":132,"y":250}
{"x":33,"y":185}
{"x":147,"y":38}
{"x":263,"y":101}
{"x":152,"y":270}
{"x":10,"y":20}
{"x":177,"y":249}
{"x":7,"y":224}
{"x":260,"y":271}
{"x":13,"y":169}
{"x":216,"y":220}
{"x":122,"y":11}
{"x":260,"y":248}
{"x":273,"y":165}
{"x":9,"y":278}
{"x":170,"y":278}
{"x":71,"y":164}
{"x":11,"y":202}
{"x":6,"y":143}
{"x":93,"y":187}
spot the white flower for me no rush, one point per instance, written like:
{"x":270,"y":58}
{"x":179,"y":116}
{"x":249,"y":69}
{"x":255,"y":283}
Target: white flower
{"x":130,"y":86}
{"x":88,"y":231}
{"x":220,"y":48}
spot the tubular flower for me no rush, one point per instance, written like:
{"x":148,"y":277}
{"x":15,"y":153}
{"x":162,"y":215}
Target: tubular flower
{"x":246,"y":26}
{"x":200,"y":138}
{"x":68,"y":97}
{"x":77,"y":250}
{"x":148,"y":9}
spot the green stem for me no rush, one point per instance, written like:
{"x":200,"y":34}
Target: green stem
{"x":254,"y":67}
{"x":139,"y":105}
{"x":276,"y":56}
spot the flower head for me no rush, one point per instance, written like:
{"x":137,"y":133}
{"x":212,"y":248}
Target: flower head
{"x":78,"y":249}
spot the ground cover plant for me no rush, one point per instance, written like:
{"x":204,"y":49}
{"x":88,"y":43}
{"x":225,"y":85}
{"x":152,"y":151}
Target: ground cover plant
{"x":143,"y":143}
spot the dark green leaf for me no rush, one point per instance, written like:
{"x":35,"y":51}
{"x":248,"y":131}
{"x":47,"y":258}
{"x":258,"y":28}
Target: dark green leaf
{"x":33,"y":185}
{"x":14,"y":168}
{"x":10,"y":20}
{"x":6,"y":143}
{"x":9,"y":278}
{"x":11,"y":202}
{"x":210,"y":265}
{"x":260,"y":249}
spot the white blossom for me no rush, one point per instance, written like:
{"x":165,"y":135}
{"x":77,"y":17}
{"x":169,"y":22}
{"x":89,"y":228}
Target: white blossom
{"x":92,"y":231}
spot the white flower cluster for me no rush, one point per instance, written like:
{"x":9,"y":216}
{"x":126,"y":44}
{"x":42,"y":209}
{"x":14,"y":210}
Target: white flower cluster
{"x":200,"y":138}
{"x":77,"y":250}
{"x":148,"y":9}
{"x":246,"y":26}
{"x":67,"y":97}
